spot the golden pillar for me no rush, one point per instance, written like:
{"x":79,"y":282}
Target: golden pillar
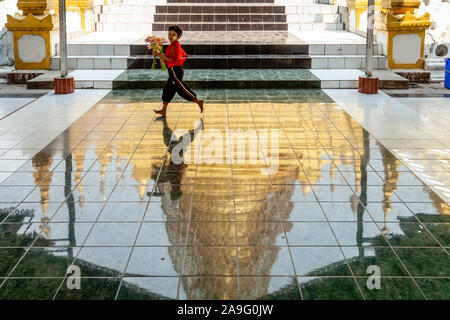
{"x":80,"y":8}
{"x":402,"y":33}
{"x":32,"y":33}
{"x":357,"y":15}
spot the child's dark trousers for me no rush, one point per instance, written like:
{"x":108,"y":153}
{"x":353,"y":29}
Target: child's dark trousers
{"x":175,"y":84}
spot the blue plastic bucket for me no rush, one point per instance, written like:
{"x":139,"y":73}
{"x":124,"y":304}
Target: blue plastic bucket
{"x":447,"y":73}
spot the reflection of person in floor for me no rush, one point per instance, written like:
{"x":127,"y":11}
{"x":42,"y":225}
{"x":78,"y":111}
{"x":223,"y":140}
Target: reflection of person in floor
{"x":174,"y":58}
{"x":174,"y":172}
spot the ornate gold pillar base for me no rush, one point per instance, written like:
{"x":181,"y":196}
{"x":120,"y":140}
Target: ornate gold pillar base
{"x":32,"y":40}
{"x":403,"y":37}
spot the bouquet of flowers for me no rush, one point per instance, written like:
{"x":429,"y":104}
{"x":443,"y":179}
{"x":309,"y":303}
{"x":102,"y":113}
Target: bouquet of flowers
{"x":155,"y":44}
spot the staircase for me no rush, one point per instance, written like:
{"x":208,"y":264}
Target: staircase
{"x":219,"y":15}
{"x":222,"y":35}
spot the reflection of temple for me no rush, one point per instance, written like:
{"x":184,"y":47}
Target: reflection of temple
{"x":221,"y":193}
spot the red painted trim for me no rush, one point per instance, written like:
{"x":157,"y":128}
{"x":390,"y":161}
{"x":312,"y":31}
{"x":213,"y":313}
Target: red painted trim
{"x":181,"y":85}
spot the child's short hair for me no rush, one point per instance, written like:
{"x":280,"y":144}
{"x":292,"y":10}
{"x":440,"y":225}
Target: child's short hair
{"x":177,"y":29}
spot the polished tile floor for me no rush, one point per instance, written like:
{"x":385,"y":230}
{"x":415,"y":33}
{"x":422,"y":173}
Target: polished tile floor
{"x":108,"y":196}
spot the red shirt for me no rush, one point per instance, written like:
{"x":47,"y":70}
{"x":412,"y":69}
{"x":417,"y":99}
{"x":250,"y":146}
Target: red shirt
{"x":176,"y":52}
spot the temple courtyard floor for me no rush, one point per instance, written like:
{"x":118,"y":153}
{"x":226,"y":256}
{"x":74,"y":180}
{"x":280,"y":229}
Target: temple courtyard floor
{"x":269,"y":194}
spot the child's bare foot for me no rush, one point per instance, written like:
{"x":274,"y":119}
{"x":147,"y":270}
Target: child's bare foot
{"x":161,"y":112}
{"x":200,"y":105}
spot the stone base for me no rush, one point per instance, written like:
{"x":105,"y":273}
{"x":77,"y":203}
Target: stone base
{"x":64,"y":85}
{"x":414,"y":75}
{"x":22,"y":76}
{"x":368,"y":85}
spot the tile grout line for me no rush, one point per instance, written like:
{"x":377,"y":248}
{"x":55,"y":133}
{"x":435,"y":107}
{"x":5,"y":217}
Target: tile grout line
{"x":323,"y":211}
{"x":146,"y":209}
{"x":279,"y":215}
{"x":106,"y":200}
{"x":365,"y":208}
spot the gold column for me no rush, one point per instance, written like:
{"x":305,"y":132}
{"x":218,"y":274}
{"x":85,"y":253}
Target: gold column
{"x":78,"y":6}
{"x":32,"y":34}
{"x":356,"y":8}
{"x":402,"y":33}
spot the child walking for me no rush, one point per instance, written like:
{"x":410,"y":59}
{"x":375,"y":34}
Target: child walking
{"x":174,"y":58}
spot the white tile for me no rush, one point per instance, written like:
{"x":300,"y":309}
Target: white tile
{"x":292,"y":18}
{"x":306,"y":27}
{"x":393,"y":124}
{"x":121,"y":50}
{"x":55,"y":64}
{"x":133,"y":27}
{"x":84,"y":84}
{"x":329,"y":84}
{"x":361,"y":49}
{"x":102,"y":63}
{"x":103,"y":85}
{"x":337,"y":74}
{"x":336,"y":63}
{"x":382,"y":63}
{"x":349,"y":48}
{"x":348,"y":84}
{"x":105,"y":49}
{"x":123,"y":18}
{"x":85,"y":63}
{"x":73,"y":49}
{"x":72,"y":63}
{"x":319,"y":62}
{"x":290,"y":9}
{"x":89,"y":50}
{"x":317,"y":49}
{"x":353,"y":63}
{"x":118,"y":63}
{"x":122,"y":27}
{"x":333,"y":49}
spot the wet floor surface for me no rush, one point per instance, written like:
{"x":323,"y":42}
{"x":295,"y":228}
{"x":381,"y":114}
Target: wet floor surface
{"x":301,"y":213}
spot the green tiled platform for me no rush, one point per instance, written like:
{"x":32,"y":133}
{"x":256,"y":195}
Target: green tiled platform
{"x":221,"y":79}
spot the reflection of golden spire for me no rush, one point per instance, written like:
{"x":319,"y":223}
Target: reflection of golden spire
{"x":391,"y":177}
{"x":44,"y":226}
{"x":42,"y":176}
{"x":79,"y":156}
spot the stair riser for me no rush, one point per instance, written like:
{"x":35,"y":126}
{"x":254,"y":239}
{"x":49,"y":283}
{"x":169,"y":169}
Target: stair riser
{"x":303,"y":84}
{"x":227,"y":63}
{"x":317,"y":26}
{"x":313,"y":18}
{"x":207,"y":18}
{"x":298,"y":9}
{"x":123,"y":27}
{"x":130,"y":9}
{"x":225,"y":27}
{"x":230,"y":49}
{"x":325,"y":62}
{"x":125,"y":18}
{"x":219,"y":9}
{"x":222,"y":1}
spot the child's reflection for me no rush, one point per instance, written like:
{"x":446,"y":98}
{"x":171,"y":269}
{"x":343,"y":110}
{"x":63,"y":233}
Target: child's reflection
{"x":174,"y":172}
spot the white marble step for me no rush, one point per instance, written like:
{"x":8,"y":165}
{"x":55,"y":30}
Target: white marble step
{"x":122,"y":9}
{"x":149,"y":18}
{"x":314,"y":18}
{"x":316,"y":26}
{"x":125,"y":18}
{"x":94,"y":49}
{"x":92,"y":62}
{"x":311,"y":8}
{"x":317,"y":62}
{"x":75,"y":49}
{"x":123,"y":27}
{"x":346,"y":62}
